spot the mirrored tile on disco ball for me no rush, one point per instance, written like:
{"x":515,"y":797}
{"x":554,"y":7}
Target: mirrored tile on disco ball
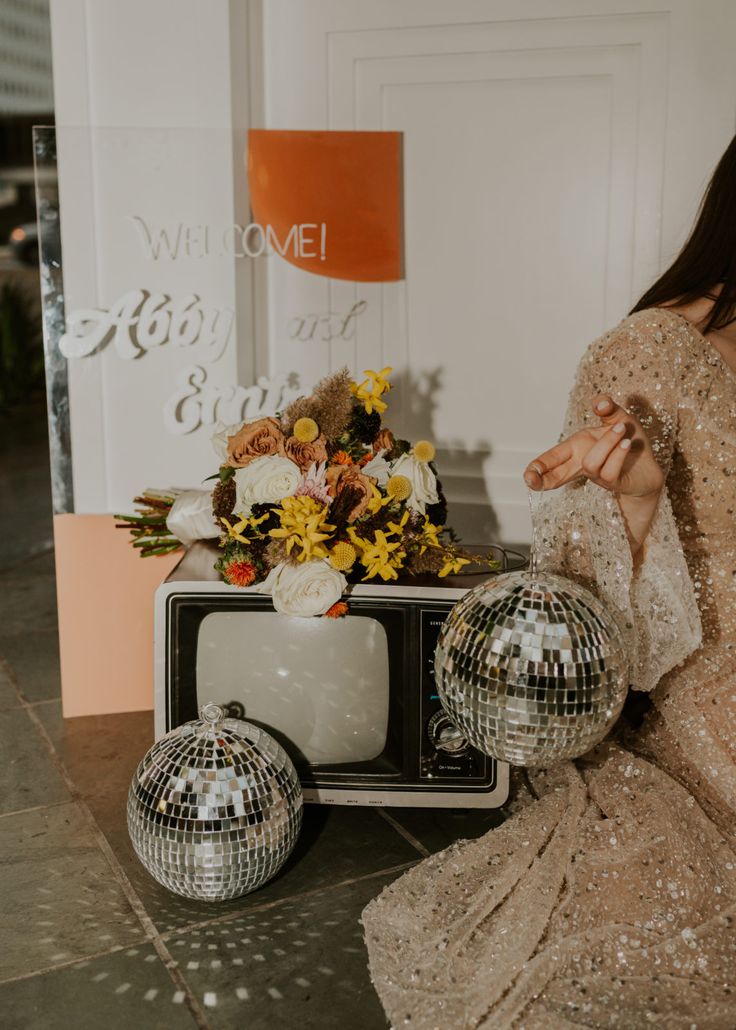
{"x":532,"y":668}
{"x":214,"y":808}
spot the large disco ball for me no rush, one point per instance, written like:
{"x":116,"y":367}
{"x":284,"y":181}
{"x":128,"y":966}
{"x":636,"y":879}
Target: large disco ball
{"x":532,"y":668}
{"x":214,"y":808}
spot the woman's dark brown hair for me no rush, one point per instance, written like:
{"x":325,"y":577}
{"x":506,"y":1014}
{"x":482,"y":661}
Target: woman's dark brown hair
{"x":709,"y":256}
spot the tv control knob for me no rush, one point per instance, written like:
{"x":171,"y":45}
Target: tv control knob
{"x":444,"y":734}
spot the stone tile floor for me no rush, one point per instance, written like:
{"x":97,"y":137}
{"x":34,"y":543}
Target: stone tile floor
{"x":88,"y":939}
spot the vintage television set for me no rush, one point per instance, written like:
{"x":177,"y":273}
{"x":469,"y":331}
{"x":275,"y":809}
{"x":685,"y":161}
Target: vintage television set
{"x":353,"y":700}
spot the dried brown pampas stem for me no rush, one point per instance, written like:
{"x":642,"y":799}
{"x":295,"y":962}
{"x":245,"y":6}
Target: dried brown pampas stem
{"x":330,"y":405}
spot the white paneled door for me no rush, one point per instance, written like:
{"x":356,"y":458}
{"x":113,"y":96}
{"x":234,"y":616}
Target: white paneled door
{"x":554,"y":155}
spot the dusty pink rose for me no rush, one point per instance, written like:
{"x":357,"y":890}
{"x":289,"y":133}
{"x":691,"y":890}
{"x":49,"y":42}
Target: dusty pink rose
{"x":257,"y":439}
{"x":306,"y":454}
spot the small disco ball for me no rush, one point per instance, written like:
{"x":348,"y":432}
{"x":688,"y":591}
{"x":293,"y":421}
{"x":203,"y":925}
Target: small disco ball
{"x":532,"y":668}
{"x":214,"y":808}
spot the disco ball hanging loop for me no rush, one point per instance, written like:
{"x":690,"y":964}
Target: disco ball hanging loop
{"x":214,"y":808}
{"x":532,"y":668}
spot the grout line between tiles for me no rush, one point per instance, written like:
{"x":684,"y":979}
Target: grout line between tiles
{"x":81,"y":961}
{"x":404,"y":833}
{"x":28,"y":704}
{"x":228,"y":917}
{"x":23,"y":559}
{"x":37,"y":808}
{"x":149,"y":927}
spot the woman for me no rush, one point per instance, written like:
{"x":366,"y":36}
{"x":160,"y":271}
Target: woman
{"x":610,"y":899}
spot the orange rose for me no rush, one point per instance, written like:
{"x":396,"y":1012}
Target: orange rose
{"x":306,"y":454}
{"x":384,"y":440}
{"x":257,"y":439}
{"x":340,"y":478}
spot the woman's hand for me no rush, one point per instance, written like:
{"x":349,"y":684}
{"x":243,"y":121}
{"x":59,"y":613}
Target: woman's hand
{"x":617,"y":456}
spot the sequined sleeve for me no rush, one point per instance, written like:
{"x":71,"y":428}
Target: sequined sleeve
{"x":580,"y":529}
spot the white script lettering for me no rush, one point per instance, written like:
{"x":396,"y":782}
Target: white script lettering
{"x":331,"y":325}
{"x":195,"y":403}
{"x":139,"y":321}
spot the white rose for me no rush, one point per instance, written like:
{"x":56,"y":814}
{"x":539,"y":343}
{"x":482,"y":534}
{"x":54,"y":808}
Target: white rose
{"x":265,"y":480}
{"x":191,"y":517}
{"x":307,"y":589}
{"x":220,"y":436}
{"x":422,"y":478}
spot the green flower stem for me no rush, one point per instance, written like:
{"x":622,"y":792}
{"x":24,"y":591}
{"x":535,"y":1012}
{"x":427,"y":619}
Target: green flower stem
{"x":163,"y":549}
{"x":154,"y":541}
{"x":142,"y":520}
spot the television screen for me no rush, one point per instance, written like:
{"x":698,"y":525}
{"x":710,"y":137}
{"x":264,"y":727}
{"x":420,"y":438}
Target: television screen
{"x":321,"y":686}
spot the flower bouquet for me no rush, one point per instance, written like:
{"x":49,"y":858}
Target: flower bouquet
{"x":314,"y":498}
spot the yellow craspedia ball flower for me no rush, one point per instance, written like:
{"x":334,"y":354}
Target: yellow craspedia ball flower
{"x":399,"y":488}
{"x":424,"y":450}
{"x":306,"y":430}
{"x":342,"y":556}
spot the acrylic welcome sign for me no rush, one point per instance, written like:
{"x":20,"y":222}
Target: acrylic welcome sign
{"x":160,"y":323}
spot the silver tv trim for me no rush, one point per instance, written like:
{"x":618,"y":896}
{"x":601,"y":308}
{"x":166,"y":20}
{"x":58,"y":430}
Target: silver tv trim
{"x":409,"y":798}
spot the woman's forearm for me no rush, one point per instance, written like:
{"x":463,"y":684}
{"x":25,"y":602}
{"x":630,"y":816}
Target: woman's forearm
{"x":638,"y":514}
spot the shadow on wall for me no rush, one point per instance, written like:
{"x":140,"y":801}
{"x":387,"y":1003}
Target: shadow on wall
{"x":460,"y":470}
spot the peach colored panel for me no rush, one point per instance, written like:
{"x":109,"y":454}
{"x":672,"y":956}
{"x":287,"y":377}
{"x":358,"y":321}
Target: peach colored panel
{"x":105,"y":593}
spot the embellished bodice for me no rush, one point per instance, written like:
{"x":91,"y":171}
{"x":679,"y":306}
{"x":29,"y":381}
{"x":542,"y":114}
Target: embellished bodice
{"x":660,"y":368}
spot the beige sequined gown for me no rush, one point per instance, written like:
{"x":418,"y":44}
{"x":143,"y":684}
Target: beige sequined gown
{"x":609,"y":901}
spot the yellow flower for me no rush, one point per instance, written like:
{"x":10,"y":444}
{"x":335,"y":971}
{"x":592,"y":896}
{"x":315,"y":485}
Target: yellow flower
{"x":372,"y":388}
{"x":377,"y":500}
{"x":359,"y":542}
{"x":342,"y":556}
{"x":235,"y":532}
{"x":303,"y":526}
{"x":399,"y":488}
{"x":430,"y":535}
{"x":254,"y":521}
{"x":423,"y":450}
{"x":382,"y":557}
{"x":306,"y":430}
{"x":398,"y":527}
{"x":453,"y":564}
